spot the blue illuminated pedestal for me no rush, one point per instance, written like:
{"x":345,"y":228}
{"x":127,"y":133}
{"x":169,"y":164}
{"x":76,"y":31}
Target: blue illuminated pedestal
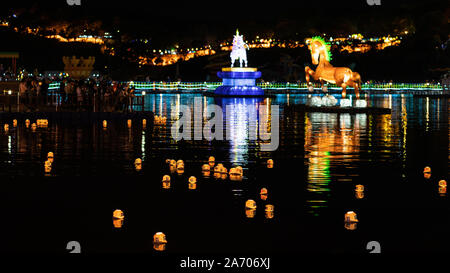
{"x":239,"y":81}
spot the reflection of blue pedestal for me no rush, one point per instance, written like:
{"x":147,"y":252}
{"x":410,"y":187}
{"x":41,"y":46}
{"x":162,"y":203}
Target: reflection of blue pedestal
{"x":239,"y":81}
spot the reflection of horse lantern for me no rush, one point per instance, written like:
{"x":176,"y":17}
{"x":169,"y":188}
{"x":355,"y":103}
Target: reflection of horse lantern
{"x":341,"y":76}
{"x":238,"y":51}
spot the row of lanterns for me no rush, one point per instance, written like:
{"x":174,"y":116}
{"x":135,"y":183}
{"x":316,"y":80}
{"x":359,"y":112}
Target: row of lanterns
{"x":42,"y":123}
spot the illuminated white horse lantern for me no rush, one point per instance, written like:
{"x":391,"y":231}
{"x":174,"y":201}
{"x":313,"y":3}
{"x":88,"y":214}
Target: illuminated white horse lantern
{"x":238,"y":51}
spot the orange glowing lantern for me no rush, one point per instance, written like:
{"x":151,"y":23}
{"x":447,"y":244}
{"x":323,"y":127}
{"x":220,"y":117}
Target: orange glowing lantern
{"x":269,"y":207}
{"x":27,"y":123}
{"x":33,"y":127}
{"x":138,"y":164}
{"x":442,"y":191}
{"x":359,"y":188}
{"x":270,"y":163}
{"x":442,"y":184}
{"x":263,"y":197}
{"x":6,"y":127}
{"x":118,"y":214}
{"x":166,"y":178}
{"x":206,"y":174}
{"x":250,"y":204}
{"x":350,"y":217}
{"x":144,"y":123}
{"x":159,"y":238}
{"x":211,"y":161}
{"x":192,"y":180}
{"x":159,"y":247}
{"x":105,"y":124}
{"x":206,"y":168}
{"x":50,"y":157}
{"x":263,"y":191}
{"x":129,"y":123}
{"x":14,"y":122}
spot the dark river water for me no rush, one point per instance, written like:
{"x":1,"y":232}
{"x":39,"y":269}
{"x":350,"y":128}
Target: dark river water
{"x":320,"y":159}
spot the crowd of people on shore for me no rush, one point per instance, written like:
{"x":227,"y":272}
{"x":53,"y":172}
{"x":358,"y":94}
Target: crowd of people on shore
{"x":80,"y":95}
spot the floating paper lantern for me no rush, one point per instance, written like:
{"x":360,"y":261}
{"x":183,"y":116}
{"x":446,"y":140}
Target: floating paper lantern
{"x":206,"y":173}
{"x":263,"y":197}
{"x":263,"y":191}
{"x":6,"y":127}
{"x":50,"y":157}
{"x":192,"y":180}
{"x":144,"y":122}
{"x":33,"y":127}
{"x":442,"y":184}
{"x":350,"y":217}
{"x":159,"y":238}
{"x":427,"y":170}
{"x":138,"y":164}
{"x":359,"y":188}
{"x":211,"y":161}
{"x":250,"y":204}
{"x":14,"y":122}
{"x":118,"y":214}
{"x":166,"y":178}
{"x":192,"y":186}
{"x":105,"y":124}
{"x":359,"y":194}
{"x":206,"y":168}
{"x":129,"y":123}
{"x":240,"y":170}
{"x":270,"y":163}
{"x":27,"y":123}
{"x":269,"y":207}
{"x":442,"y":191}
{"x":166,"y":185}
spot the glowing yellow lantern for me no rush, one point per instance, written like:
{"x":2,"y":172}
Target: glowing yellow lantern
{"x":118,"y":223}
{"x":33,"y":126}
{"x":427,"y":170}
{"x":442,"y":184}
{"x":14,"y":122}
{"x":270,"y":163}
{"x":192,"y":180}
{"x":250,"y":204}
{"x":359,"y":188}
{"x":159,"y":238}
{"x":50,"y":157}
{"x":166,"y":178}
{"x":224,"y":171}
{"x":138,"y":164}
{"x":129,"y":123}
{"x":211,"y":161}
{"x":350,"y":217}
{"x":105,"y":124}
{"x":217,"y":175}
{"x":240,"y":170}
{"x":206,"y":168}
{"x":118,"y":214}
{"x":207,"y":173}
{"x":144,"y":122}
{"x":192,"y":186}
{"x":263,"y":191}
{"x":6,"y":127}
{"x":27,"y":123}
